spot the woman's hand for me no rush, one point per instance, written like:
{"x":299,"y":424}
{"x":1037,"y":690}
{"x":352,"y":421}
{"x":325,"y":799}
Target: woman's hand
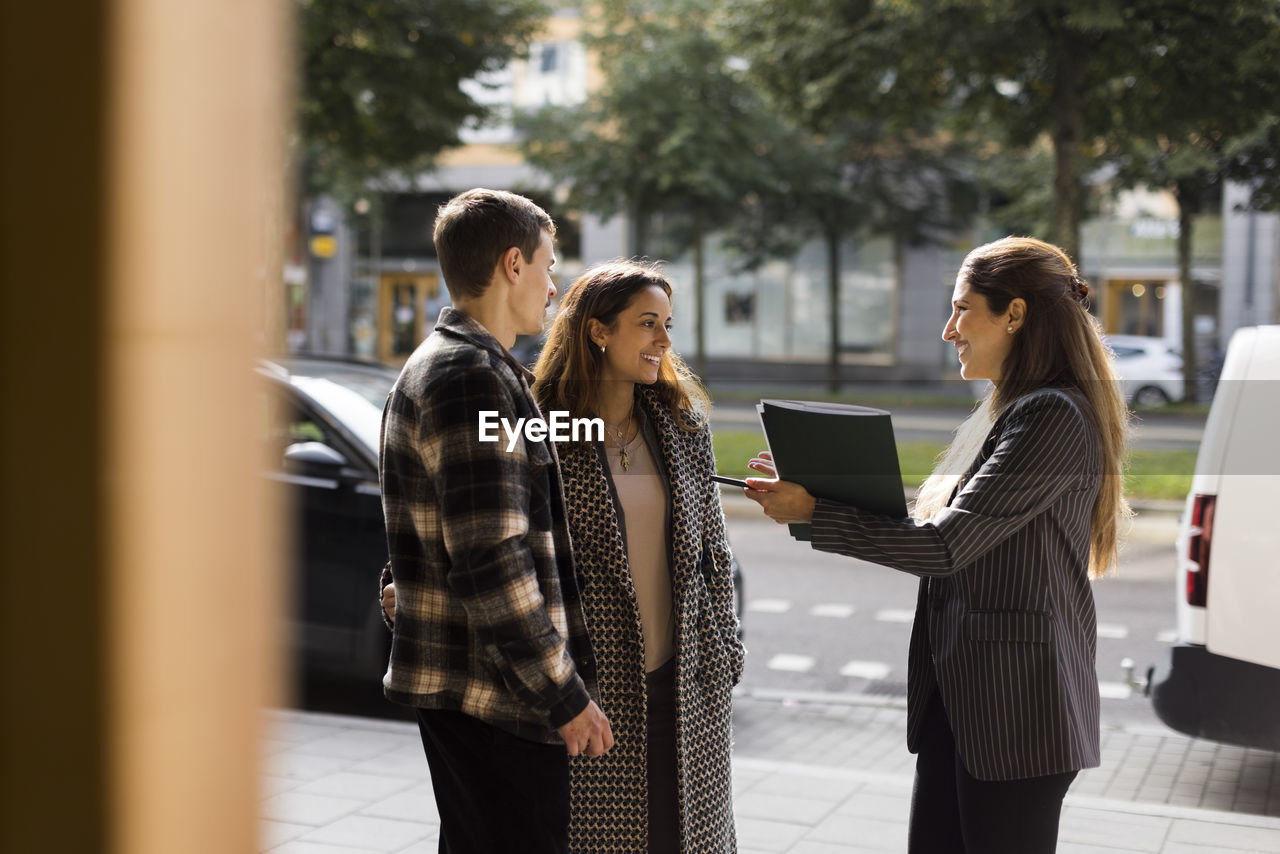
{"x":783,"y":502}
{"x":763,"y":463}
{"x":389,"y":601}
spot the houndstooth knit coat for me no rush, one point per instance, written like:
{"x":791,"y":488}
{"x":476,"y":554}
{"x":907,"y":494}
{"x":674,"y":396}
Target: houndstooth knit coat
{"x":609,"y":793}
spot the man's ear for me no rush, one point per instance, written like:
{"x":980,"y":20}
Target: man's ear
{"x":510,"y":264}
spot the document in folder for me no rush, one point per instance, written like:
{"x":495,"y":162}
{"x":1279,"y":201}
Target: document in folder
{"x":836,"y":451}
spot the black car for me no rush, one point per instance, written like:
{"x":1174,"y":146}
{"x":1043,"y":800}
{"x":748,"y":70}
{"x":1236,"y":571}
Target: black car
{"x":322,"y":417}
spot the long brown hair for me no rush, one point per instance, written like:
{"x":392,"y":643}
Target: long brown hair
{"x":569,"y":369}
{"x":1058,"y":344}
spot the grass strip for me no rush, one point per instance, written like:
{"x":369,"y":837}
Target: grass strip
{"x":1151,"y":475}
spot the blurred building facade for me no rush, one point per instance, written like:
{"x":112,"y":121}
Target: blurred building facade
{"x":773,"y":322}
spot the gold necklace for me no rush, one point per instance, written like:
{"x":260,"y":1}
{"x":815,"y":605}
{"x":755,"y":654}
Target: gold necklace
{"x":620,"y":441}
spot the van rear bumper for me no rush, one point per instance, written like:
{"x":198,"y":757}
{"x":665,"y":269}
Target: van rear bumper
{"x":1219,"y":698}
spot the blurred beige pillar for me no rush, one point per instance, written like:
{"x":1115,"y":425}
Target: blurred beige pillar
{"x":142,"y":175}
{"x":195,"y":104}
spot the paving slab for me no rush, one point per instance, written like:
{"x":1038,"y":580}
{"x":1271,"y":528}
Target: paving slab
{"x":840,"y":783}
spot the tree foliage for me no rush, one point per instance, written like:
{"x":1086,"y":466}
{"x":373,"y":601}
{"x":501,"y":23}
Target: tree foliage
{"x":681,"y":128}
{"x":1254,"y":159}
{"x":380,"y":79}
{"x":1199,"y":114}
{"x":869,"y":155}
{"x":674,"y":130}
{"x":1178,"y":94}
{"x":1010,"y":72}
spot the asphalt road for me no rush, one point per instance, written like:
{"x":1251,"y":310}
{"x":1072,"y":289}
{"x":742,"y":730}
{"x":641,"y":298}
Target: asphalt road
{"x":832,"y":629}
{"x":826,"y":628}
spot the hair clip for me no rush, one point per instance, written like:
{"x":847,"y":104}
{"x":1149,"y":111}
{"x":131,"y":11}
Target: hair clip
{"x":1079,"y":290}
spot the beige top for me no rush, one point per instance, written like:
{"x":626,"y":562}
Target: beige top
{"x":644,"y":506}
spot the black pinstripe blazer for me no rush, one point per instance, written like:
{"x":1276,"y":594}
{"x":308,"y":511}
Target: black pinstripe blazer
{"x":1005,"y":625}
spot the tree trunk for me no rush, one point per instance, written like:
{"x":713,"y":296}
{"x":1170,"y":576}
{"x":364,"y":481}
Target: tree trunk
{"x":833,"y":291}
{"x":699,"y":297}
{"x":1071,"y":54}
{"x":1187,"y":199}
{"x":638,"y":231}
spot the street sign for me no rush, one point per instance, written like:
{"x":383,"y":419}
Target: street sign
{"x":324,"y":246}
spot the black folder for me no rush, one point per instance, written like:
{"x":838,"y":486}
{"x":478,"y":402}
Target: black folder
{"x":837,"y":451}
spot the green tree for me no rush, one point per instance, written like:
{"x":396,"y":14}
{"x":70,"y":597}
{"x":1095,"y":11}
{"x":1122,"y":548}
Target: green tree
{"x":1010,"y":72}
{"x":380,"y":80}
{"x":854,"y":178}
{"x":1199,"y":115}
{"x":675,"y":130}
{"x":875,"y":154}
{"x":1254,"y":159}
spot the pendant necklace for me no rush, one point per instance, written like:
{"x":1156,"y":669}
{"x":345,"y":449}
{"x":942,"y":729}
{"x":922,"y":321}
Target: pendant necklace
{"x":620,"y":436}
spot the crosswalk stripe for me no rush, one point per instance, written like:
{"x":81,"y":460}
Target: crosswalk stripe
{"x":791,"y":663}
{"x":832,"y":609}
{"x":865,"y":669}
{"x":1112,"y":631}
{"x":1114,"y":690}
{"x":769,"y":606}
{"x":895,"y":615}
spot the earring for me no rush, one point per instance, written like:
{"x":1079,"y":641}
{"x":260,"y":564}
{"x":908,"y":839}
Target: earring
{"x":601,"y":349}
{"x":1009,"y":329}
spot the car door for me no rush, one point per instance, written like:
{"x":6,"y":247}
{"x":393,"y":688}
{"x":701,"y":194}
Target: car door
{"x":337,"y":538}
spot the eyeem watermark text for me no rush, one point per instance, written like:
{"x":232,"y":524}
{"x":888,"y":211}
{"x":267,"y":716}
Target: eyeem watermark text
{"x":558,"y":428}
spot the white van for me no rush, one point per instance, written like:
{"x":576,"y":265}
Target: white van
{"x":1222,"y":680}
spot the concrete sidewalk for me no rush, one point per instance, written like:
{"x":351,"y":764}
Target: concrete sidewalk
{"x":808,"y":779}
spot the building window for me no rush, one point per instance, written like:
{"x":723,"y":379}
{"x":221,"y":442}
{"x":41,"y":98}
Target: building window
{"x":550,"y":59}
{"x":780,"y":311}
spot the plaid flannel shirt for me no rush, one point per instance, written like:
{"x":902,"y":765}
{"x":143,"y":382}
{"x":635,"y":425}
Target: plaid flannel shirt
{"x":488,"y":617}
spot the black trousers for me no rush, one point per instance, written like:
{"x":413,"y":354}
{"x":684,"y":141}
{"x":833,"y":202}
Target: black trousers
{"x":662,"y":776}
{"x":954,"y":812}
{"x":495,"y":792}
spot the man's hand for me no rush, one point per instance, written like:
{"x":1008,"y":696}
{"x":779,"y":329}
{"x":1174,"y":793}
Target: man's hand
{"x":588,"y":734}
{"x":389,"y":601}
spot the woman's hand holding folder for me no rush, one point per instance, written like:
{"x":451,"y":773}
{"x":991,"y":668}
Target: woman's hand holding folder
{"x":783,"y":502}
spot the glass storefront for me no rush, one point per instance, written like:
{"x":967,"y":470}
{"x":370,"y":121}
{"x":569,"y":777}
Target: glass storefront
{"x":781,"y":311}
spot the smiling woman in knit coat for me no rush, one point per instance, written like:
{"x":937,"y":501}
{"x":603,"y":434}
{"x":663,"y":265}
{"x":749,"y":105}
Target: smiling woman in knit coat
{"x":653,"y":563}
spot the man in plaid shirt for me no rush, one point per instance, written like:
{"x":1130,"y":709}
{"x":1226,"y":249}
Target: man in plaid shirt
{"x":489,"y":642}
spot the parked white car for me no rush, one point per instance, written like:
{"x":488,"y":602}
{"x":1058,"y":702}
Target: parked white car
{"x":1150,"y":370}
{"x":1222,"y":680}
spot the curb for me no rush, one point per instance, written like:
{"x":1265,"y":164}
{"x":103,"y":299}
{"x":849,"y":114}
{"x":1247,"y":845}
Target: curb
{"x":903,"y":782}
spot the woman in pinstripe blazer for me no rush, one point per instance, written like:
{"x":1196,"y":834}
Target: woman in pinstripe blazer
{"x":1007,"y":533}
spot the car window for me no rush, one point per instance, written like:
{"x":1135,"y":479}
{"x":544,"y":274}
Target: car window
{"x":357,"y":408}
{"x":304,"y":429}
{"x":372,"y":386}
{"x":285,"y":423}
{"x":1126,"y":352}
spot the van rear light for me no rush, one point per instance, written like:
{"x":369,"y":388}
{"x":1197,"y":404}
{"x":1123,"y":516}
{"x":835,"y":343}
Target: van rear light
{"x":1201,"y":537}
